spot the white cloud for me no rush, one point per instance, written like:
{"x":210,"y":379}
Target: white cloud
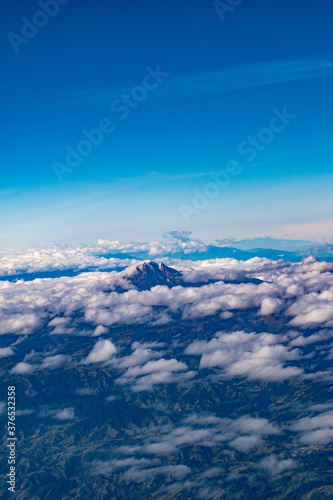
{"x":52,"y":362}
{"x":246,"y":443}
{"x":214,"y":471}
{"x":148,"y":382}
{"x":58,"y":321}
{"x":139,"y":475}
{"x":140,"y":355}
{"x":22,"y":368}
{"x":162,"y":371}
{"x":23,"y":413}
{"x":85,"y":391}
{"x":243,"y":434}
{"x":59,"y":414}
{"x":6,"y":352}
{"x":103,"y":350}
{"x":316,"y":429}
{"x":256,"y":356}
{"x":19,"y":323}
{"x":155,"y":248}
{"x":56,"y":259}
{"x":270,"y":306}
{"x":320,"y":407}
{"x":65,"y":414}
{"x":99,"y":330}
{"x":161,"y":365}
{"x":139,"y":470}
{"x":275,"y":466}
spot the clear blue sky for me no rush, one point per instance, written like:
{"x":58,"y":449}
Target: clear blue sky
{"x":224,"y":80}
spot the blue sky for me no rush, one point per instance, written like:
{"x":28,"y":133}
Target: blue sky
{"x":221,"y":83}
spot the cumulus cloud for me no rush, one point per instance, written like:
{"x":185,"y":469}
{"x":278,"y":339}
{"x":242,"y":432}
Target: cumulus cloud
{"x":139,"y":470}
{"x":315,"y":429}
{"x":312,"y":310}
{"x":56,"y":259}
{"x":65,"y":414}
{"x":218,"y":297}
{"x":270,"y":305}
{"x":214,"y":471}
{"x":141,"y":354}
{"x":256,"y":356}
{"x":59,"y":414}
{"x":148,"y":382}
{"x":22,"y":369}
{"x":246,"y":443}
{"x":176,"y":242}
{"x":5,"y":352}
{"x":23,"y":413}
{"x":99,"y":330}
{"x":318,"y":337}
{"x":60,"y":326}
{"x":142,"y":371}
{"x":243,"y":434}
{"x":320,"y":407}
{"x":162,"y":371}
{"x":140,"y":475}
{"x":58,"y":321}
{"x":19,"y":323}
{"x":275,"y":466}
{"x":102,"y":351}
{"x":161,"y":365}
{"x":53,"y":362}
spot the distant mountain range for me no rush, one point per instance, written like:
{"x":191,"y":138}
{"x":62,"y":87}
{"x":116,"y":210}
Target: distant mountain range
{"x":266,"y":243}
{"x":324,"y":252}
